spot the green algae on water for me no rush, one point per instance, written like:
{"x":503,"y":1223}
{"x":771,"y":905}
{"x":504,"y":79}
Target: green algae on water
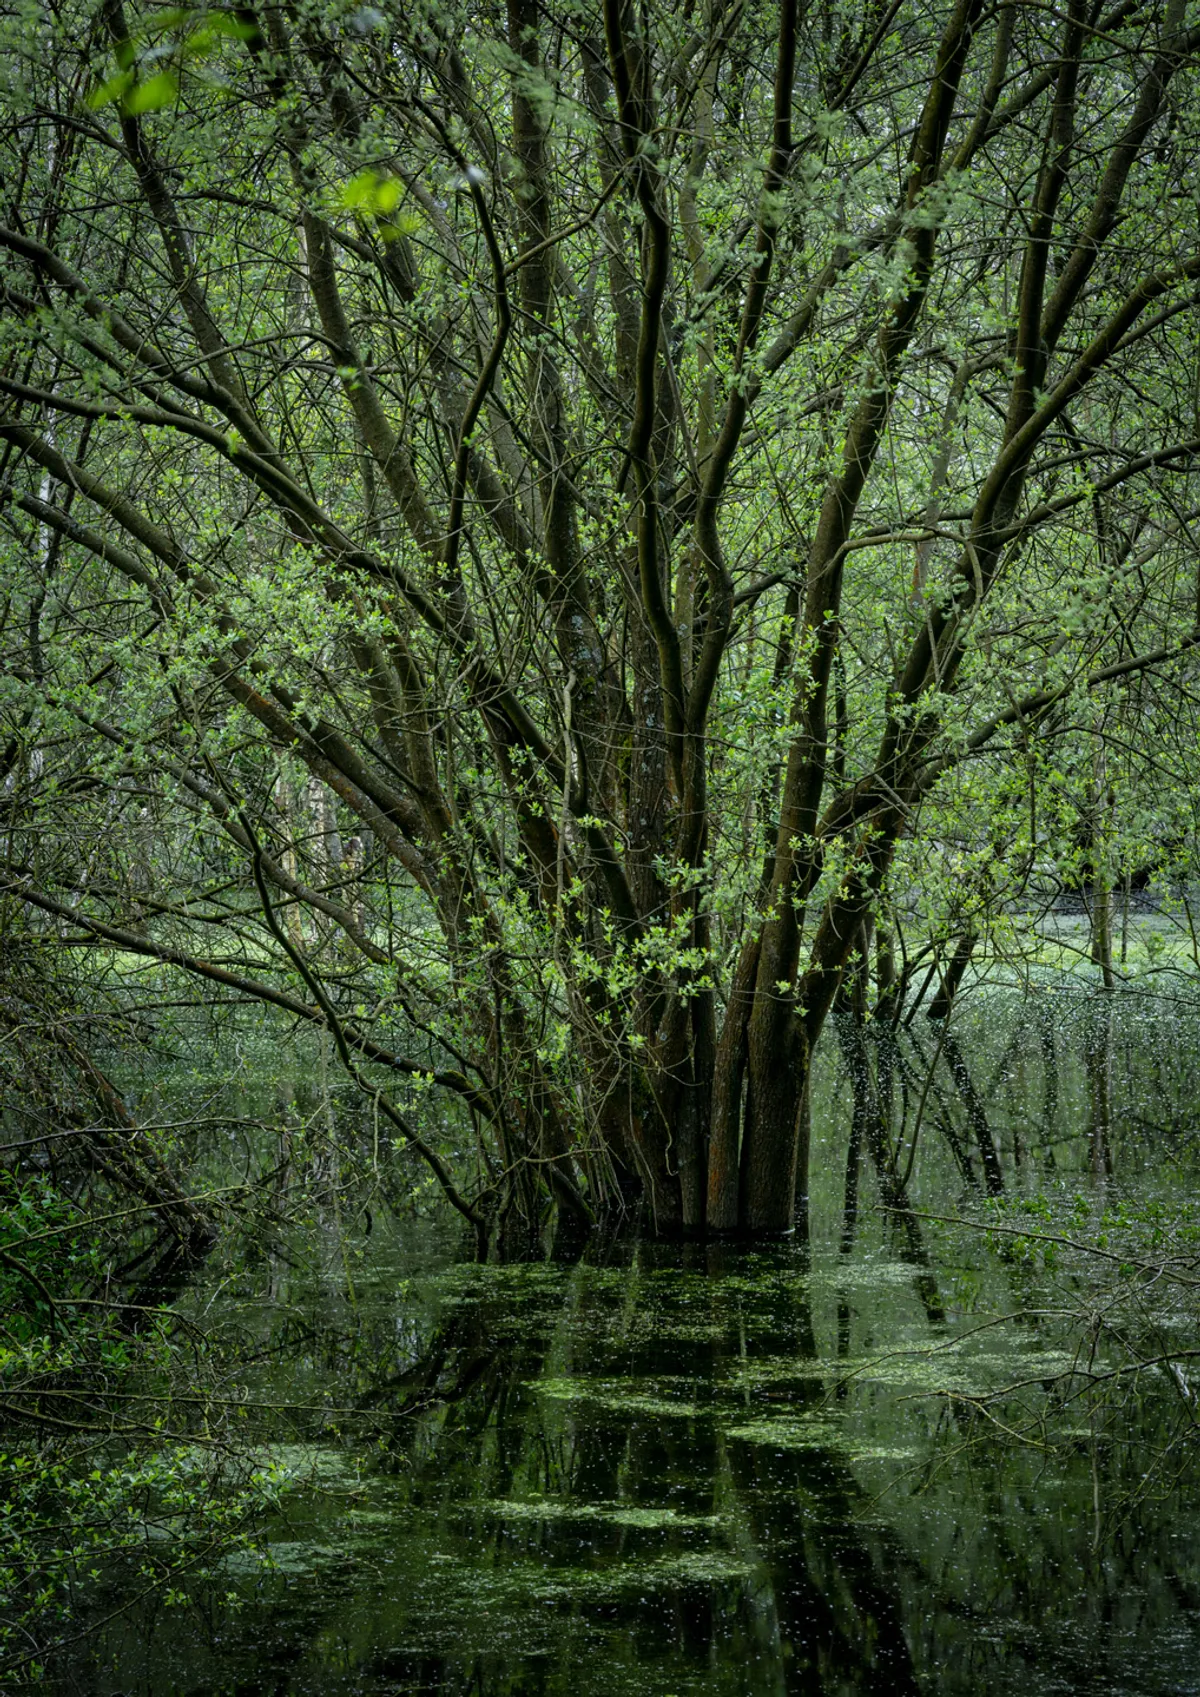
{"x":648,"y":1517}
{"x":610,"y":1395}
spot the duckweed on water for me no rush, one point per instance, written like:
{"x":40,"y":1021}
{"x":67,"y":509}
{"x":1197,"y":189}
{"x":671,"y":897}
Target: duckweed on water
{"x":647,"y":1518}
{"x":285,"y":1556}
{"x":814,"y":1434}
{"x":519,"y":1582}
{"x":315,"y":1466}
{"x":787,"y":1434}
{"x":932,"y":1370}
{"x":615,"y":1397}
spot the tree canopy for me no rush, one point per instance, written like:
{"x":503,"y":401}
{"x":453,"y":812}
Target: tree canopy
{"x":551,"y":542}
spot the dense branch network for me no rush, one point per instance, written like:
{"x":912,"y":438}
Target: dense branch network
{"x":526,"y":526}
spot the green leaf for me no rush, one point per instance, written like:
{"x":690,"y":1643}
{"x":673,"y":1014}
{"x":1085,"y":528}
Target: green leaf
{"x":369,"y":193}
{"x":359,"y":191}
{"x":111,"y":90}
{"x":237,"y":29}
{"x":152,"y":96}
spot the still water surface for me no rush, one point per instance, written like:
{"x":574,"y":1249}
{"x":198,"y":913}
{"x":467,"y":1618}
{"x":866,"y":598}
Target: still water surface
{"x":911,"y":1456}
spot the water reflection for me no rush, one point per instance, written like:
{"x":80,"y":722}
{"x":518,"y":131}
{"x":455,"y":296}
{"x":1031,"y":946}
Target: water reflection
{"x":699,"y":1468}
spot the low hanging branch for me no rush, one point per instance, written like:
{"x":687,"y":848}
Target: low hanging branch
{"x":372,"y":466}
{"x":342,"y":1043}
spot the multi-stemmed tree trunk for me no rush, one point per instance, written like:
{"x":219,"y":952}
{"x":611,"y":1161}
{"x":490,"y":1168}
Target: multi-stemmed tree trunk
{"x":516,"y":421}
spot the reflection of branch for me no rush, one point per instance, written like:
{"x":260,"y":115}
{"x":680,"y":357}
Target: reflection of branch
{"x":916,"y":1131}
{"x":1162,"y":1268}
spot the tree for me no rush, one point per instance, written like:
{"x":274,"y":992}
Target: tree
{"x":529,"y":509}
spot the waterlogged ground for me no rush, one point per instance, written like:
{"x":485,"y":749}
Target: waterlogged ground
{"x":913,"y":1457}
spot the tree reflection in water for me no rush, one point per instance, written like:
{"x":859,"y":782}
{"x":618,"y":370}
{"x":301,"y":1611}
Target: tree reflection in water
{"x":699,"y":1469}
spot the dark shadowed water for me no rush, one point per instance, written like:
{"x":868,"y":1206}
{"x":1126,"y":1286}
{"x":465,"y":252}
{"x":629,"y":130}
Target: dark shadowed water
{"x":908,"y":1455}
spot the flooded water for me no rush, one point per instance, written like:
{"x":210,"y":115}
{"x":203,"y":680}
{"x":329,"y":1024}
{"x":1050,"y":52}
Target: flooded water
{"x":904,"y":1455}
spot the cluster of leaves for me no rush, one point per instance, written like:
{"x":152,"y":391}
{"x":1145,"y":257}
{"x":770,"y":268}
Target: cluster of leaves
{"x":82,"y":1524}
{"x":316,"y":663}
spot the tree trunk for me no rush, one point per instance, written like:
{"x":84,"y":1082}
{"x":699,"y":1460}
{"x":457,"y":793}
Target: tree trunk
{"x":952,"y":978}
